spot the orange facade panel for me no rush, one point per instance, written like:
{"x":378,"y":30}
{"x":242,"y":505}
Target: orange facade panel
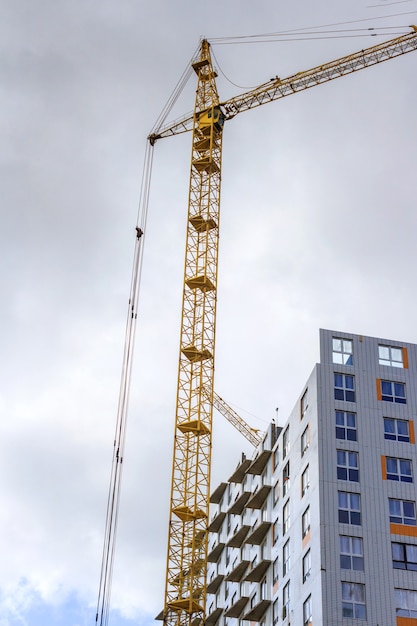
{"x":405,"y":358}
{"x":406,"y":621}
{"x":403,"y":529}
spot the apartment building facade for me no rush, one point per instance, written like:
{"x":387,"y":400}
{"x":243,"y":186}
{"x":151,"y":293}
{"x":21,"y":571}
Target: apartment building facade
{"x":320,"y":527}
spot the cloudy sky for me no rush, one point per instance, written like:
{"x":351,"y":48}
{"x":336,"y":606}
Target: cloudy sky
{"x":318,"y":230}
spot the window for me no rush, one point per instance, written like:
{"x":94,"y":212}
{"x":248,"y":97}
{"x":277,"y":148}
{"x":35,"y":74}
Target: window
{"x":264,"y":550}
{"x":275,"y":612}
{"x":276,"y":492}
{"x":305,"y":521}
{"x":286,"y":517}
{"x":346,"y":425}
{"x":351,"y":553}
{"x":399,"y":469}
{"x":286,"y":600}
{"x":276,"y":458}
{"x":305,"y":440}
{"x":307,"y":613}
{"x":402,"y":512}
{"x":227,"y":556}
{"x":342,"y":351}
{"x":406,"y":603}
{"x":305,"y":480}
{"x":286,"y":558}
{"x":347,"y":466}
{"x":306,"y":565}
{"x":396,"y":430}
{"x":344,"y":387}
{"x":286,"y":442}
{"x":390,"y":356}
{"x":275,"y":571}
{"x":349,"y":508}
{"x":353,"y":600}
{"x":276,"y":531}
{"x":263,"y":589}
{"x":393,"y":392}
{"x":286,"y":479}
{"x":404,"y":556}
{"x":304,"y":404}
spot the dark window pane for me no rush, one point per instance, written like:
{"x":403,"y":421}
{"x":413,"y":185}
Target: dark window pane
{"x":389,"y":426}
{"x":340,"y":433}
{"x":399,"y":390}
{"x":354,"y":475}
{"x":351,"y":435}
{"x":386,"y":388}
{"x":345,"y":562}
{"x":347,"y":609}
{"x":350,"y":396}
{"x":357,"y":563}
{"x":355,"y":518}
{"x":338,"y":394}
{"x":388,"y":398}
{"x":342,"y":473}
{"x":409,"y":510}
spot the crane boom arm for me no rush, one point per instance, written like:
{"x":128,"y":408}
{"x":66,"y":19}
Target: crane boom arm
{"x":251,"y":434}
{"x":278,"y":88}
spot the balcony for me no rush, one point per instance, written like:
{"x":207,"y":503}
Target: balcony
{"x":216,"y":523}
{"x":258,"y":572}
{"x":239,"y":537}
{"x":258,"y":499}
{"x":237,"y":573}
{"x":213,"y":618}
{"x":239,"y":504}
{"x":217,"y":494}
{"x":258,"y":535}
{"x":259,"y":464}
{"x":214,"y":555}
{"x":258,"y":611}
{"x":237,"y":608}
{"x":240,"y":472}
{"x":214,"y":585}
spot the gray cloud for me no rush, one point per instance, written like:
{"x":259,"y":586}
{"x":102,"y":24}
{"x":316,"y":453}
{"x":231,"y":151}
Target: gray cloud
{"x":318,"y":230}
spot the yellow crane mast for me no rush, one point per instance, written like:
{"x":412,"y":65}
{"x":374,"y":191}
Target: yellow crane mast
{"x":185,"y":591}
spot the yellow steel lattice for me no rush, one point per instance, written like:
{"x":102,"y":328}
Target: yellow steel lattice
{"x":187,"y":543}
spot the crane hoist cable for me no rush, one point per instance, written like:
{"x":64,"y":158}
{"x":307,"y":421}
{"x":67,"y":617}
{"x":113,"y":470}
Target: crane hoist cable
{"x":113,"y":500}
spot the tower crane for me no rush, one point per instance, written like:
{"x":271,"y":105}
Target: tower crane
{"x":185,"y":588}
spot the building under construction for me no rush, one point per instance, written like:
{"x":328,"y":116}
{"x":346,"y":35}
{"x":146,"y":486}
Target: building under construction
{"x":320,"y":526}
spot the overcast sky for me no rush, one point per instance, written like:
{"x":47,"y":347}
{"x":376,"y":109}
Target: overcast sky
{"x":318,"y":230}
